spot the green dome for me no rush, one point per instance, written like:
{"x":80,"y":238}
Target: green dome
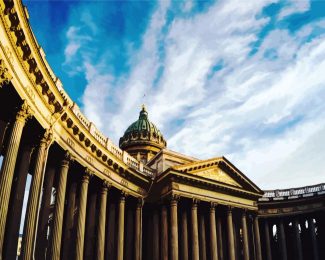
{"x":142,"y":131}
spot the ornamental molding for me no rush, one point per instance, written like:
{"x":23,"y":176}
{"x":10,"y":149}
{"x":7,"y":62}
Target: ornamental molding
{"x":5,"y":76}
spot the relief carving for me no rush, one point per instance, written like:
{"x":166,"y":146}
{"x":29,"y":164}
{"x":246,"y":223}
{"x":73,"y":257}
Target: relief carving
{"x":5,"y":76}
{"x":70,"y":142}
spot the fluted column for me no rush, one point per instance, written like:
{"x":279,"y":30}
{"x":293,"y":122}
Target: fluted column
{"x":42,"y":230}
{"x":213,"y":233}
{"x":55,"y":247}
{"x":195,"y":235}
{"x":311,"y":227}
{"x":8,"y":167}
{"x":16,"y":203}
{"x":184,"y":244}
{"x":34,"y":197}
{"x":267,"y":240}
{"x":245,"y":236}
{"x":164,"y":231}
{"x":82,"y":214}
{"x":202,"y":234}
{"x":102,"y":221}
{"x":220,"y":240}
{"x":69,"y":243}
{"x":138,"y":230}
{"x":283,"y":247}
{"x":231,"y":241}
{"x":257,"y":239}
{"x":120,"y":240}
{"x":174,"y":227}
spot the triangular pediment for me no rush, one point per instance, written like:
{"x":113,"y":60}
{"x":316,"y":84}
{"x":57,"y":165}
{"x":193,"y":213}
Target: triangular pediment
{"x":216,"y":174}
{"x":220,"y":170}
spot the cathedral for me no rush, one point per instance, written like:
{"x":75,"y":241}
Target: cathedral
{"x":92,"y":199}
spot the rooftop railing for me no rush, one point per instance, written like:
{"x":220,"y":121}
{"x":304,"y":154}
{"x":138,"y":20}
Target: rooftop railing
{"x":293,"y":193}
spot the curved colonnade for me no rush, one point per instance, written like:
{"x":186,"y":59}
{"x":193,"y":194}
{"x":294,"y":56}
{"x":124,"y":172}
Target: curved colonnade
{"x":292,"y":223}
{"x":48,"y":138}
{"x":88,"y":199}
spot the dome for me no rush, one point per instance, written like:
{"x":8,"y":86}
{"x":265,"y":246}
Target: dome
{"x":142,"y":133}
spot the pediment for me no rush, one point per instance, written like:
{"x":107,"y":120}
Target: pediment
{"x":216,"y":174}
{"x":220,"y":170}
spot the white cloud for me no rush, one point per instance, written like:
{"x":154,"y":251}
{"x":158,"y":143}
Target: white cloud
{"x":293,"y":7}
{"x":264,"y":112}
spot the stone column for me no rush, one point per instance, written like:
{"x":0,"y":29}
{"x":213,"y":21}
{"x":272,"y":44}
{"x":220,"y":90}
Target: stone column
{"x":298,"y":246}
{"x":220,"y":240}
{"x":8,"y":166}
{"x":120,"y":239}
{"x":42,"y":236}
{"x":138,"y":230}
{"x":283,"y":247}
{"x":245,"y":236}
{"x":213,"y":233}
{"x":257,"y":239}
{"x":267,"y":240}
{"x":69,"y":231}
{"x":16,"y":203}
{"x":195,"y":235}
{"x":102,"y":221}
{"x":231,"y":240}
{"x":155,"y":235}
{"x":203,"y":247}
{"x":34,"y":197}
{"x":184,"y":243}
{"x":82,"y":214}
{"x":164,"y":231}
{"x":311,"y":227}
{"x":174,"y":227}
{"x":55,"y":247}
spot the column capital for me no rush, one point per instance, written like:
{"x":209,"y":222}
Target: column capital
{"x":87,"y":175}
{"x":213,"y":205}
{"x":67,"y":158}
{"x":47,"y":138}
{"x":124,"y":194}
{"x":5,"y":76}
{"x":229,"y":209}
{"x":25,"y":112}
{"x":195,"y":201}
{"x":106,"y":185}
{"x":140,"y":203}
{"x":174,"y":198}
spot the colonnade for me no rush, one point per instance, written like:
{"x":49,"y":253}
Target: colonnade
{"x":293,"y":237}
{"x":189,"y":229}
{"x":70,"y":212}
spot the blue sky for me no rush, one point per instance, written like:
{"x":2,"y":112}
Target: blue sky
{"x":244,"y":79}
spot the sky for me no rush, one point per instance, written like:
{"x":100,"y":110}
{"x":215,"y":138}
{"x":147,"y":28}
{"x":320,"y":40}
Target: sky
{"x":242,"y":79}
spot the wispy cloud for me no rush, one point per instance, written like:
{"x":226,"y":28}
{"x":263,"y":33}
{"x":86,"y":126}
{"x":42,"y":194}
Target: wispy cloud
{"x":205,"y":88}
